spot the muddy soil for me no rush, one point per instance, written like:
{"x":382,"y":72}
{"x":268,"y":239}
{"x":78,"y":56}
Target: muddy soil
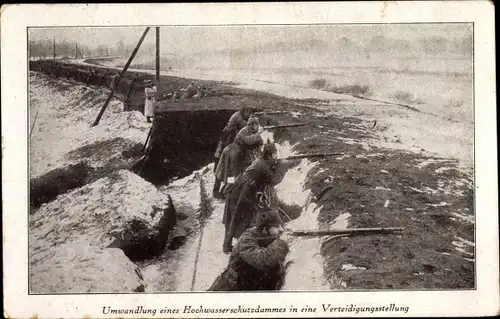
{"x":379,"y":187}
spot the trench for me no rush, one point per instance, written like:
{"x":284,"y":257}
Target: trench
{"x":193,"y":263}
{"x":181,"y":145}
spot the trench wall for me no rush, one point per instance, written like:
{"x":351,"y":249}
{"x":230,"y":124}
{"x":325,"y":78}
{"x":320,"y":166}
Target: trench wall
{"x":130,"y":89}
{"x":180,"y":142}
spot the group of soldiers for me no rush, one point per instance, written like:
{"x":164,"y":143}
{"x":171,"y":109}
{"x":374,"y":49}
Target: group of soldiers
{"x":246,"y":170}
{"x":192,"y":91}
{"x":129,"y":85}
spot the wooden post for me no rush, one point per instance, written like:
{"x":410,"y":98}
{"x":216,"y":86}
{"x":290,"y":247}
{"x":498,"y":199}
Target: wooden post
{"x":117,"y":81}
{"x":158,"y":55}
{"x":54,"y":47}
{"x":76,"y":50}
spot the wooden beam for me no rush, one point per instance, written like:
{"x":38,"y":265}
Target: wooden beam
{"x":117,"y":80}
{"x":158,"y":55}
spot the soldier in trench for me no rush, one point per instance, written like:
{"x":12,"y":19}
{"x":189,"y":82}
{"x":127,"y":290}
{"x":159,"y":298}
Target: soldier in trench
{"x":191,"y":91}
{"x":237,"y":156}
{"x":253,"y":190}
{"x":149,"y":103}
{"x":257,"y":260}
{"x":241,"y":197}
{"x":237,"y":122}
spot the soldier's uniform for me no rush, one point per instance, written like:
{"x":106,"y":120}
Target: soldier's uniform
{"x":257,"y":260}
{"x":242,"y":197}
{"x":234,"y":125}
{"x":149,"y":103}
{"x":237,"y":156}
{"x":191,"y":90}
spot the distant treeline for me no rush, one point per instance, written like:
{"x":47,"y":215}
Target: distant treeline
{"x":44,"y":49}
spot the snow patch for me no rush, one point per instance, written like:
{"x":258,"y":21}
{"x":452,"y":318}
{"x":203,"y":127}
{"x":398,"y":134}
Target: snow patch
{"x":467,"y":218}
{"x":306,"y":270}
{"x":351,"y":267}
{"x":291,"y":189}
{"x":440,"y":204}
{"x":341,"y":222}
{"x":66,"y":111}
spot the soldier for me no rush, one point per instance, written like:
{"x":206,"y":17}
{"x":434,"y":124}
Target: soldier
{"x":257,"y":260}
{"x":241,"y":197}
{"x":149,"y":103}
{"x":191,"y":90}
{"x":237,"y":156}
{"x":237,"y":121}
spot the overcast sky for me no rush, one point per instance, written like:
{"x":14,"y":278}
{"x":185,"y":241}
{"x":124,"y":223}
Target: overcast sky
{"x":195,"y":39}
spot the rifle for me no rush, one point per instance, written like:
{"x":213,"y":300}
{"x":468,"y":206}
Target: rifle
{"x":271,"y":113}
{"x":283,"y":126}
{"x":347,"y":232}
{"x":299,"y":156}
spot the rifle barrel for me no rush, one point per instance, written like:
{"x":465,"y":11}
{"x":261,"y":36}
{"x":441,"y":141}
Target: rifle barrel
{"x":298,"y":156}
{"x":348,"y":231}
{"x":271,"y":112}
{"x":283,"y":126}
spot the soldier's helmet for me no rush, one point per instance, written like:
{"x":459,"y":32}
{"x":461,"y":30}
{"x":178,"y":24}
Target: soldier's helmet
{"x":268,"y":150}
{"x":253,"y":120}
{"x":243,"y":106}
{"x":268,"y":217}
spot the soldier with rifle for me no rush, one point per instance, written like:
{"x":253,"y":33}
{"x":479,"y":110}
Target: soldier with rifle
{"x":237,"y":156}
{"x":242,"y":197}
{"x":237,"y":122}
{"x":257,"y":260}
{"x":254,"y":188}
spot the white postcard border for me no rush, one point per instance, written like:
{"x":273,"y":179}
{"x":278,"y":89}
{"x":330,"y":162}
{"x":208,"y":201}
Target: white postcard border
{"x":16,"y":18}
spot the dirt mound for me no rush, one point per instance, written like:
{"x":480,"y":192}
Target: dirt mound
{"x":47,"y":187}
{"x":78,"y":267}
{"x":121,"y":210}
{"x":63,"y":134}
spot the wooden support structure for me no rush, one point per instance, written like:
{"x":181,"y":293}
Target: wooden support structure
{"x":158,"y":55}
{"x":117,"y":81}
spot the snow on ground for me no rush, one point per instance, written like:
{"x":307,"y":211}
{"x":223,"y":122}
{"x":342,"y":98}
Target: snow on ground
{"x":291,"y":189}
{"x":403,"y":129}
{"x":66,"y":111}
{"x":174,"y":270}
{"x":194,"y":266}
{"x":397,"y":127}
{"x":306,"y":270}
{"x":211,"y":261}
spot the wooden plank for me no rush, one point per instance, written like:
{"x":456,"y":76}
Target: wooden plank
{"x":96,"y":122}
